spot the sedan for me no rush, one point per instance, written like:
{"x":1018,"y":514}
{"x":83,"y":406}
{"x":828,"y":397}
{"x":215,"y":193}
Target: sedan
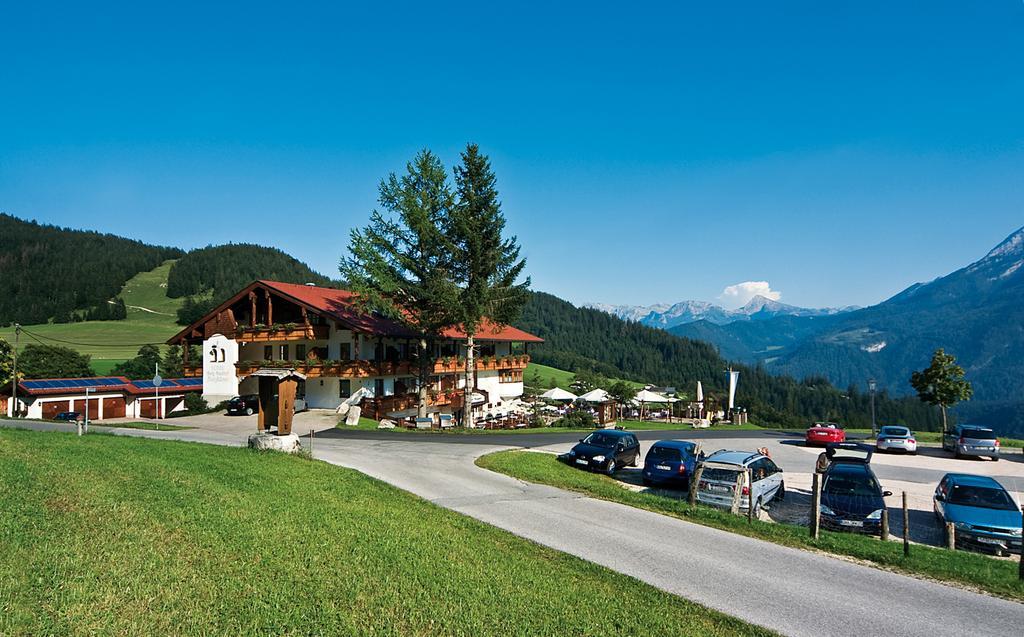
{"x":247,"y":404}
{"x":983,"y":513}
{"x":605,"y":450}
{"x":824,"y":433}
{"x":851,"y":499}
{"x":892,"y":438}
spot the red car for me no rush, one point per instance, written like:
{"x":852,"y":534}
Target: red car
{"x":823,"y":433}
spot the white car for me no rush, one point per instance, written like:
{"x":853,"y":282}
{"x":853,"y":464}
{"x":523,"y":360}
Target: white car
{"x":896,"y":438}
{"x":718,"y":481}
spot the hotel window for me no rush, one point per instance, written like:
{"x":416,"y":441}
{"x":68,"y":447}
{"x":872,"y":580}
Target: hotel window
{"x":344,"y":388}
{"x":282,"y":352}
{"x":300,"y":352}
{"x":346,"y":351}
{"x":268,"y":352}
{"x":378,"y":388}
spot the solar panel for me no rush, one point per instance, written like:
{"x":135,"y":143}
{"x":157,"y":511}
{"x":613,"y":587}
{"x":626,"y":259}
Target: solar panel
{"x":190,"y":382}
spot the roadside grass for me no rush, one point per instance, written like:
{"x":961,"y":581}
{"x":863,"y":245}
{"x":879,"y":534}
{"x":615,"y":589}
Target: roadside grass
{"x":936,"y":438}
{"x":116,"y":535}
{"x":367,"y":424}
{"x":998,"y":577}
{"x":149,"y":426}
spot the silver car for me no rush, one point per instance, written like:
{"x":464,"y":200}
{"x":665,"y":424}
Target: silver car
{"x":896,"y":438}
{"x":721,"y":469}
{"x":968,"y":440}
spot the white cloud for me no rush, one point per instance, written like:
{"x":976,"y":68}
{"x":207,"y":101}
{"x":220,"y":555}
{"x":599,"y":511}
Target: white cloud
{"x":738,"y":295}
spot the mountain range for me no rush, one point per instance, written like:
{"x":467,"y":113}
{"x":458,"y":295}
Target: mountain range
{"x":975,"y":313}
{"x":666,"y":316}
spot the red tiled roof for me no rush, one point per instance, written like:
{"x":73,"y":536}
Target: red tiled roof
{"x":340,"y":305}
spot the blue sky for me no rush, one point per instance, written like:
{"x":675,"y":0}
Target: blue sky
{"x":645,"y":152}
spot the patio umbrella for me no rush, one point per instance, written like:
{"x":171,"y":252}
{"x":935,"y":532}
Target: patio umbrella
{"x":557,"y":393}
{"x":595,"y":396}
{"x":647,"y":396}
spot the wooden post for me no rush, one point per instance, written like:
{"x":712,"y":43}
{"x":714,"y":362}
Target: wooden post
{"x":695,"y":484}
{"x":816,"y":506}
{"x":885,"y":524}
{"x":906,"y":526}
{"x":750,"y":495}
{"x":950,"y":536}
{"x":1020,"y":564}
{"x":737,"y":493}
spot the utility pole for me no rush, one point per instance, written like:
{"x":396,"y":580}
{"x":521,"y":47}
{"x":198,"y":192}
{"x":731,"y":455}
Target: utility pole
{"x":14,"y":378}
{"x":872,"y":385}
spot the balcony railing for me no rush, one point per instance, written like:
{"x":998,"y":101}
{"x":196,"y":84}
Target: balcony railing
{"x":286,"y":332}
{"x":371,"y":369}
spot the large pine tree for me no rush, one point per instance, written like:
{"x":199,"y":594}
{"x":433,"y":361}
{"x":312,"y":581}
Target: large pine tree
{"x":488,"y":265}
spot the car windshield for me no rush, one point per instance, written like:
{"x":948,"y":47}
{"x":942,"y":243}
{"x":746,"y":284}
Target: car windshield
{"x":663,"y":453}
{"x":601,"y":440}
{"x":850,"y":485}
{"x":720,"y":475}
{"x":981,"y":434}
{"x":895,"y":431}
{"x":984,"y":497}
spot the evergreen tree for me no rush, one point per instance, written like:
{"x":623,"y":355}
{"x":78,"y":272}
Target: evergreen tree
{"x":942,"y":383}
{"x":488,"y":265}
{"x":6,"y":362}
{"x":173,"y":365}
{"x":142,"y":367}
{"x":401,"y":264}
{"x":52,"y":361}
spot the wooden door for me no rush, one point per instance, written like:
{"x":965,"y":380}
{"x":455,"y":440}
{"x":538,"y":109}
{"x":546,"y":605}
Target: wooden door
{"x":51,"y":409}
{"x":94,"y":408}
{"x":147,"y":407}
{"x":113,"y":407}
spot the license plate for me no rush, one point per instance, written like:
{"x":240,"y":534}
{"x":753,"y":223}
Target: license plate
{"x":582,"y":461}
{"x":990,"y":540}
{"x":718,"y":489}
{"x":851,"y":523}
{"x":663,"y":467}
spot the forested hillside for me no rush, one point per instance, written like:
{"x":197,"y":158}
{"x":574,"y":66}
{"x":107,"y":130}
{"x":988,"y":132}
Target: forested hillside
{"x":52,"y":273}
{"x":581,"y":338}
{"x":208,"y":276}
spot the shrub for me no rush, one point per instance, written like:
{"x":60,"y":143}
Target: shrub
{"x":576,"y":419}
{"x":196,"y":404}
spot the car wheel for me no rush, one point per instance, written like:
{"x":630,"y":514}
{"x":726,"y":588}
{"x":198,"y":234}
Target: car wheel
{"x":636,"y":460}
{"x":647,"y":483}
{"x":781,"y":493}
{"x":248,"y":411}
{"x":996,"y":459}
{"x":757,"y":508}
{"x":611,"y":467}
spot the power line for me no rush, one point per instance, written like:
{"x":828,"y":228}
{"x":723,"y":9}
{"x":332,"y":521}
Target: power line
{"x":66,"y":342}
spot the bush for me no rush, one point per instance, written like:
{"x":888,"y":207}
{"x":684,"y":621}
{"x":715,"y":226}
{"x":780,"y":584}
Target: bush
{"x":577,"y":419}
{"x":196,"y":404}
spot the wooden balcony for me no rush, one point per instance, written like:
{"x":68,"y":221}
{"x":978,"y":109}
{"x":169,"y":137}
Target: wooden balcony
{"x":277,"y":333}
{"x":373,"y":369}
{"x":193,"y":371}
{"x":487,"y":363}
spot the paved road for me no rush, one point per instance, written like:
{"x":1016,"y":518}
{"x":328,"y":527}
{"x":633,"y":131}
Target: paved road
{"x":791,"y":591}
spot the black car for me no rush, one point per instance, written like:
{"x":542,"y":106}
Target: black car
{"x":248,"y":404}
{"x":851,"y":498}
{"x":605,"y":450}
{"x":68,"y":416}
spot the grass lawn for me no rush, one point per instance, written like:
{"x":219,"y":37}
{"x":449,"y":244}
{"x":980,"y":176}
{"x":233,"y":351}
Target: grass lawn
{"x":116,"y":535}
{"x":996,"y":576}
{"x":545,"y":377}
{"x":111,"y":342}
{"x":149,"y":426}
{"x":366,"y":424}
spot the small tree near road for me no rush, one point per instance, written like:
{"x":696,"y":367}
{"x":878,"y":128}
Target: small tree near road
{"x":942,"y":383}
{"x":622,"y":393}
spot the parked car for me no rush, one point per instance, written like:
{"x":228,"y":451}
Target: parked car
{"x":984,"y":515}
{"x":68,"y":416}
{"x":824,"y":433}
{"x":247,"y":404}
{"x":670,"y":463}
{"x":896,"y":438}
{"x":851,"y":498}
{"x":605,"y":450}
{"x":969,"y":440}
{"x":718,"y":479}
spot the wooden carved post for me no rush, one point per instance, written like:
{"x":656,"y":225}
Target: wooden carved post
{"x":737,"y":493}
{"x":695,"y":484}
{"x":252,"y":311}
{"x":816,"y":506}
{"x":270,"y":309}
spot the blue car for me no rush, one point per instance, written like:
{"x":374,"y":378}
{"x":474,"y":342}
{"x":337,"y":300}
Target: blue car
{"x":983,"y":513}
{"x":670,"y":463}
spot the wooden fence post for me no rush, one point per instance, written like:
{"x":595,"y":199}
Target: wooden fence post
{"x":950,"y":536}
{"x":906,"y":526}
{"x":695,"y":484}
{"x":885,"y":524}
{"x":737,"y":493}
{"x":816,"y":505}
{"x":750,"y":495}
{"x":1020,"y":565}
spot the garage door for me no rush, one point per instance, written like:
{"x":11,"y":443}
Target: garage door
{"x":113,"y":407}
{"x":52,"y":408}
{"x":147,"y":407}
{"x":94,"y":407}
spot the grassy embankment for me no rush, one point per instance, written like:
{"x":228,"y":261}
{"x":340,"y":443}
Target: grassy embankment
{"x":366,"y":424}
{"x":995,"y":576}
{"x":115,"y":535}
{"x":112,"y":342}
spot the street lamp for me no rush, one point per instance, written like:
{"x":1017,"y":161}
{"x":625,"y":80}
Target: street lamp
{"x":872,"y":386}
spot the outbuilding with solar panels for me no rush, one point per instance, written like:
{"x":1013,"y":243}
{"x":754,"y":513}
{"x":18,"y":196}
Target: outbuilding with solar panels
{"x":105,"y":398}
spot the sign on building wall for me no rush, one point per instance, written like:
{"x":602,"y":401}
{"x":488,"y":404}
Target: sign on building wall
{"x":220,"y":354}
